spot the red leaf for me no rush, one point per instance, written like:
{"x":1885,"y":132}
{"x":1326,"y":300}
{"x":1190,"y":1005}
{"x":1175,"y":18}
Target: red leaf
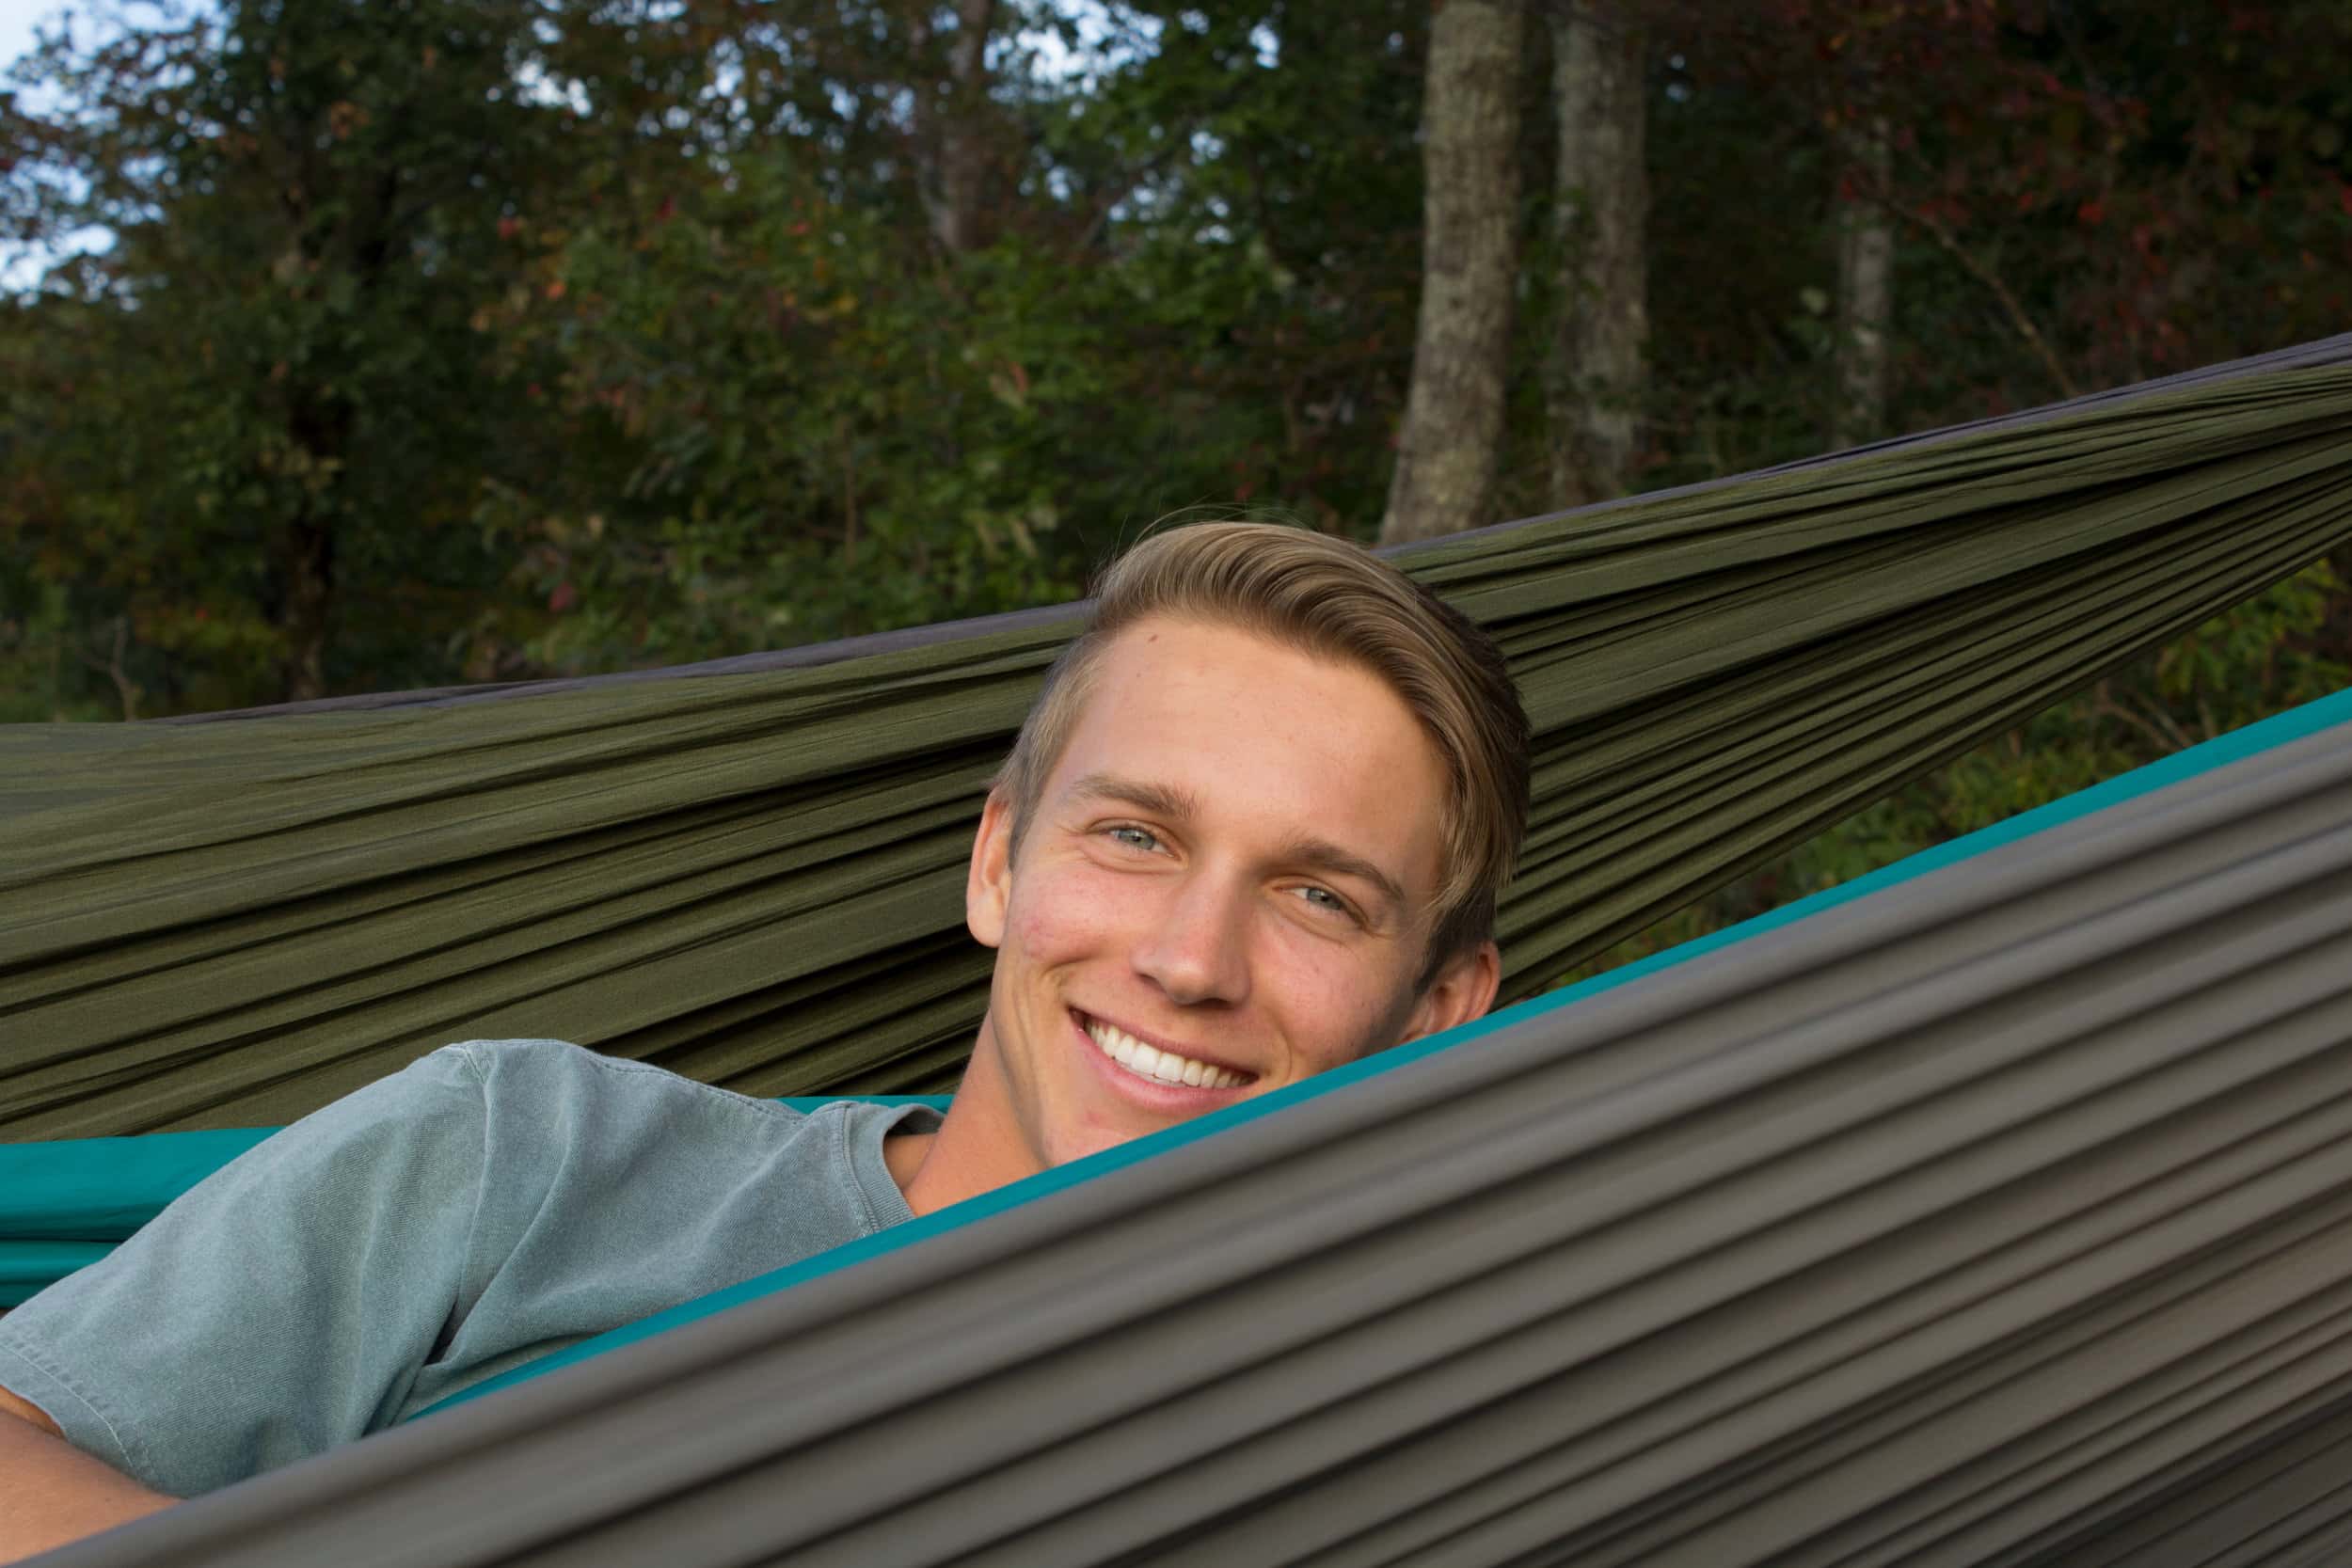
{"x":563,"y":598}
{"x":2090,"y":213}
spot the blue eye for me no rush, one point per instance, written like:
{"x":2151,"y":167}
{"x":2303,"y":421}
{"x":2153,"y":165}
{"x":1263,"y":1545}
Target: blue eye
{"x":1322,"y":898}
{"x":1136,"y":838}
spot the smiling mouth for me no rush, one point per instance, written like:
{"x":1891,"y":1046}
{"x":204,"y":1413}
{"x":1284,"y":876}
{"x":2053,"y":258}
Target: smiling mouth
{"x":1150,"y":1062}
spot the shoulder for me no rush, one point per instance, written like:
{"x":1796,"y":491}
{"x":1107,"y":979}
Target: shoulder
{"x":549,"y":1083}
{"x":505,"y":1064}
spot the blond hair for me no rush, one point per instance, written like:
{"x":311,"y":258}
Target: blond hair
{"x":1334,"y":600}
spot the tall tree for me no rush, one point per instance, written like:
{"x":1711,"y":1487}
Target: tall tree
{"x":304,"y":196}
{"x":951,"y":131}
{"x":1593,"y":370}
{"x":1865,"y":297}
{"x":1448,"y":447}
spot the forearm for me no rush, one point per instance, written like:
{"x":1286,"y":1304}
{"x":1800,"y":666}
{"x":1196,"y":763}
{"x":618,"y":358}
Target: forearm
{"x":52,"y":1492}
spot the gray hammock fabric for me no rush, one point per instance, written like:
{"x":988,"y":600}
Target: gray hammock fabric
{"x":753,"y":875}
{"x":2001,"y":1217}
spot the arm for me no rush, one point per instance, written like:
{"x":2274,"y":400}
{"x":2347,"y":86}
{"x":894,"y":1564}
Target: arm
{"x":276,"y":1309}
{"x":51,"y":1492}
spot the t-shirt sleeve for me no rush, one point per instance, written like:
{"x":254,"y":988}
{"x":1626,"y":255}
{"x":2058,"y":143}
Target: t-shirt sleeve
{"x":280,"y":1307}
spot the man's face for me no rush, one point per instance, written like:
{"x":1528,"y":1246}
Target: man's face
{"x":1226,"y":886}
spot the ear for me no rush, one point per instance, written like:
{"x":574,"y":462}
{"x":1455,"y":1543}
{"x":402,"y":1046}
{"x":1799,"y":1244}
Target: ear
{"x":988,"y":885}
{"x":1464,"y":989}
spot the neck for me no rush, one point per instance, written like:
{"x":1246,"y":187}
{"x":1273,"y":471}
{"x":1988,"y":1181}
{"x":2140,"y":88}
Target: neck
{"x":978,"y":1147}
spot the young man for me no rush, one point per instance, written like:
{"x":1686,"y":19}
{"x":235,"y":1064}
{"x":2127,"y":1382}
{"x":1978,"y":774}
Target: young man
{"x":1253,"y":829}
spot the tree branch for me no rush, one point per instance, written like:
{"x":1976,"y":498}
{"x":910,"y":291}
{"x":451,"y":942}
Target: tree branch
{"x":2158,"y":728}
{"x":2022,"y":324}
{"x":126,"y":688}
{"x":1941,"y":232}
{"x":1133,"y":176}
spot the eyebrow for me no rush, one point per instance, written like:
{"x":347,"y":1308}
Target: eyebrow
{"x":1179,"y":805}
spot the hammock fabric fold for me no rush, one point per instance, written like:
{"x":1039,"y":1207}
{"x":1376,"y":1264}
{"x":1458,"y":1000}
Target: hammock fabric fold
{"x":2001,"y":1216}
{"x":753,"y":875}
{"x":63,"y":1203}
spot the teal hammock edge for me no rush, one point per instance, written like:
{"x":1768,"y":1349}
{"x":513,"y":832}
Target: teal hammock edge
{"x":103,"y":1189}
{"x":2239,"y":745}
{"x":67,"y":1202}
{"x":28,"y":1267}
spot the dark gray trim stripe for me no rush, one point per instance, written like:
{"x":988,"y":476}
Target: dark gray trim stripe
{"x":2002,"y":1217}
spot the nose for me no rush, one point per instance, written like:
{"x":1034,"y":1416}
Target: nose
{"x":1196,"y":951}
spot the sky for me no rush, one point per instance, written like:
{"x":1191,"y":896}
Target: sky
{"x":20,"y":269}
{"x":18,"y":19}
{"x":16,"y":25}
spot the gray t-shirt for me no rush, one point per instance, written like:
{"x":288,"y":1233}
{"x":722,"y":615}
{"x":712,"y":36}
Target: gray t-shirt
{"x":496,"y":1201}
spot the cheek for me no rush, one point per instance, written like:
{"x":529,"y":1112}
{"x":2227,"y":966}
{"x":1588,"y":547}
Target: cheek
{"x":1063,"y":913}
{"x":1339,"y":1008}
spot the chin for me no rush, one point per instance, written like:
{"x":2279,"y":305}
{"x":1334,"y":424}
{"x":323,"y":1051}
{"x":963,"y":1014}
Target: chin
{"x":1068,"y":1143}
{"x":1080,"y":1145}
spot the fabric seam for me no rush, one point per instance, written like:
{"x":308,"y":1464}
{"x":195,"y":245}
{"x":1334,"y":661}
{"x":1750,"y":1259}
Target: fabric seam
{"x":764,"y":1110}
{"x":467,"y":1276}
{"x":15,"y":1345}
{"x":847,"y":1154}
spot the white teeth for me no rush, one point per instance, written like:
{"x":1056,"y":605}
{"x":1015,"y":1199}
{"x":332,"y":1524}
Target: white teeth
{"x":1151,"y":1062}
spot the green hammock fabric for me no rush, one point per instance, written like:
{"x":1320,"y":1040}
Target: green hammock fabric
{"x":1998,"y":1218}
{"x":754,"y":877}
{"x":63,"y":1203}
{"x":2327,"y":713}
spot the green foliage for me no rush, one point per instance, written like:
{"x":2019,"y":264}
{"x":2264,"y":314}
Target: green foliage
{"x":789,"y":447}
{"x":2279,"y":651}
{"x":252,"y":415}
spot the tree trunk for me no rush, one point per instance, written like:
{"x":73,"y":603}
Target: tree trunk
{"x":1447,"y":450}
{"x":322,"y":432}
{"x":309,"y":593}
{"x":1866,"y":300}
{"x":1595,"y":374}
{"x":955,"y":142}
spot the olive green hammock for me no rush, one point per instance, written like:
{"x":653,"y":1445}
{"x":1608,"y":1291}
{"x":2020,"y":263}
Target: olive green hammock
{"x":1992,"y":1211}
{"x":751,"y":872}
